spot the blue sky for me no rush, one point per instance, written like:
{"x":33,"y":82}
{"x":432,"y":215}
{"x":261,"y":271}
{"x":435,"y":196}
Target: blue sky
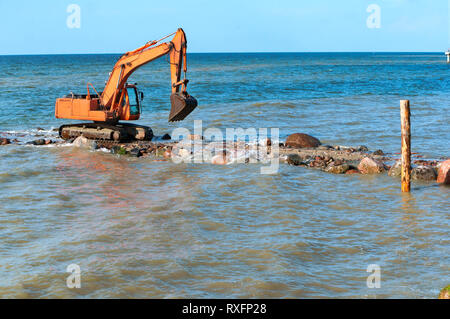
{"x":112,"y":26}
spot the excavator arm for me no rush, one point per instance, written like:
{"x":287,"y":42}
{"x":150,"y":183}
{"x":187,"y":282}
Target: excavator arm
{"x":182,"y":103}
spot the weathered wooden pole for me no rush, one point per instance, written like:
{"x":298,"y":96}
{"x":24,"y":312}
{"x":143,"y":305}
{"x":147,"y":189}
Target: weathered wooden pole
{"x":406,"y":145}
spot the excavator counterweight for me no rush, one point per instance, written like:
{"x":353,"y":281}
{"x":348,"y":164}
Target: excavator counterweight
{"x":120,"y":101}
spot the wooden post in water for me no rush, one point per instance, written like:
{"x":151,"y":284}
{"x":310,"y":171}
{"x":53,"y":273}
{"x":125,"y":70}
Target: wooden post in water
{"x":406,"y":145}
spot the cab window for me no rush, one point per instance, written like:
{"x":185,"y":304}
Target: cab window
{"x":133,"y":100}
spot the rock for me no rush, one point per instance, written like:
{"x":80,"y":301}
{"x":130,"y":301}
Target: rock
{"x":152,"y":149}
{"x":84,"y":142}
{"x":396,"y":169}
{"x":444,"y":173}
{"x":445,"y":293}
{"x":294,"y":159}
{"x":182,"y":152}
{"x":424,"y":173}
{"x":326,"y":158}
{"x":264,"y":142}
{"x":177,"y":152}
{"x":166,"y":137}
{"x":5,"y":141}
{"x":362,"y":148}
{"x":135,"y":152}
{"x":352,"y":171}
{"x":378,"y":152}
{"x":320,"y":162}
{"x":167,"y":154}
{"x":159,"y":152}
{"x":371,"y":166}
{"x":433,"y":163}
{"x":37,"y":142}
{"x":300,"y":140}
{"x":194,"y":137}
{"x":337,"y":169}
{"x":324,"y":147}
{"x":220,"y":159}
{"x":128,"y":148}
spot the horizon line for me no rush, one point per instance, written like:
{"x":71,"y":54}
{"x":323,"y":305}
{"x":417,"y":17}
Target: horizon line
{"x":232,"y":52}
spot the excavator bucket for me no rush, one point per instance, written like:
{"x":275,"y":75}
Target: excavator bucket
{"x":182,"y":105}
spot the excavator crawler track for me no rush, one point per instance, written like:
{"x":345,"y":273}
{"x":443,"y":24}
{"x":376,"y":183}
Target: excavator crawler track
{"x":119,"y":132}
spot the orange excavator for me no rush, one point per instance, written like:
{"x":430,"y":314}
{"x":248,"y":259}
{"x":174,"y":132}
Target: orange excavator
{"x":120,"y":101}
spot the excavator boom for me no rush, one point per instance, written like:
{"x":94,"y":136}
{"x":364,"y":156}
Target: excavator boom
{"x":182,"y":103}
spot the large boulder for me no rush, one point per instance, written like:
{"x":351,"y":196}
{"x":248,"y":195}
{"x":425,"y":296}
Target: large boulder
{"x":396,"y":169}
{"x":220,"y":159}
{"x":371,"y":166}
{"x":444,"y":173}
{"x":182,"y":152}
{"x":167,"y":153}
{"x":294,"y":159}
{"x":179,"y":154}
{"x":424,"y":173}
{"x":300,"y":140}
{"x":84,"y":142}
{"x":378,"y":152}
{"x":337,"y":169}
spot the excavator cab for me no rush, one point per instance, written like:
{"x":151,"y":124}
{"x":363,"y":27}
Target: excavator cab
{"x":131,"y":100}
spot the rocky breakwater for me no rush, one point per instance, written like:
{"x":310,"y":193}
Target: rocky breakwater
{"x":193,"y":149}
{"x":301,"y":149}
{"x":305,"y":150}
